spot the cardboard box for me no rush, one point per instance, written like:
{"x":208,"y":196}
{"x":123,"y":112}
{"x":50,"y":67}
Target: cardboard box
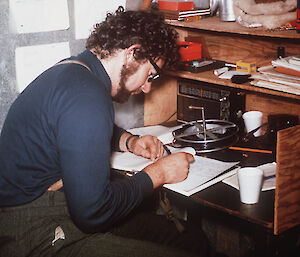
{"x":249,"y":67}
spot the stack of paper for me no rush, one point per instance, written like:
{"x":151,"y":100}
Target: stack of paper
{"x":269,"y":182}
{"x":283,"y":75}
{"x":289,"y":65}
{"x":182,"y":15}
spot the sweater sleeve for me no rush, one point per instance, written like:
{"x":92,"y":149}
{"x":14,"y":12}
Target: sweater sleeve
{"x":85,"y":128}
{"x":116,"y":138}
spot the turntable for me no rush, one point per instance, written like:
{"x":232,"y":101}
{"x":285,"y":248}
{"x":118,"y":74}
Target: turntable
{"x":206,"y":135}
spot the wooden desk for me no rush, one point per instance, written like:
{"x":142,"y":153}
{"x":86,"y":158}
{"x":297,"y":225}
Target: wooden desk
{"x":226,"y":198}
{"x":278,"y":210}
{"x":220,"y":204}
{"x":235,"y":228}
{"x":272,"y":225}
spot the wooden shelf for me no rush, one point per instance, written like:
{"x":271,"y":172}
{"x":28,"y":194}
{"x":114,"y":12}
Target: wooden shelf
{"x":230,"y":42}
{"x":214,"y":24}
{"x":209,"y":77}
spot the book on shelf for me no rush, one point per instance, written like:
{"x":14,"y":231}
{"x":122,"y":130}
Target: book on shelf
{"x":286,"y":63}
{"x":179,"y":15}
{"x":295,"y":60}
{"x":281,"y":80}
{"x":203,"y":172}
{"x":269,"y":77}
{"x":288,"y":71}
{"x":275,"y":86}
{"x":272,"y":71}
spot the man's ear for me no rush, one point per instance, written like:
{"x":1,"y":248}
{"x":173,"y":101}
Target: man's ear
{"x":130,"y":53}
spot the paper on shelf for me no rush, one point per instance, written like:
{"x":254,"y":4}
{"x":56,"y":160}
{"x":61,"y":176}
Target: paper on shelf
{"x":279,"y":80}
{"x":284,"y":62}
{"x":231,"y":73}
{"x":276,"y":86}
{"x":269,"y":169}
{"x":269,"y":70}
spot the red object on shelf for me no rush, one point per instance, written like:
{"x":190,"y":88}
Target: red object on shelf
{"x":176,"y":5}
{"x":298,"y":17}
{"x":190,"y":51}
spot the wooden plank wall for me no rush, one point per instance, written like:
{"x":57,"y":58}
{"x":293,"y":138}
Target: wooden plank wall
{"x":161,"y":103}
{"x":271,"y":105}
{"x":234,"y":47}
{"x":287,"y":193}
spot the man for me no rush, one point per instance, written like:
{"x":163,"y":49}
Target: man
{"x":59,"y":134}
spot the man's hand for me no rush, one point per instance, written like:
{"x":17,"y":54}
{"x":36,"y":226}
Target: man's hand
{"x":56,"y":186}
{"x":146,"y":146}
{"x":171,"y":169}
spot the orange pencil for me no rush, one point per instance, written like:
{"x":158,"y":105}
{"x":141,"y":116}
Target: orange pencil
{"x":249,"y":149}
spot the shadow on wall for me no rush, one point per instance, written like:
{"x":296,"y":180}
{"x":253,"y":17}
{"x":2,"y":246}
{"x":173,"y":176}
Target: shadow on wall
{"x":128,"y":115}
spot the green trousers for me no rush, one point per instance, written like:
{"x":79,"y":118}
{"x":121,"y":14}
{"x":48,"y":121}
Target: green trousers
{"x":44,"y":228}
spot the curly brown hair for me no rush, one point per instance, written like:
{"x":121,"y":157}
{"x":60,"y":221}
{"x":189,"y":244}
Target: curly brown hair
{"x":146,"y":28}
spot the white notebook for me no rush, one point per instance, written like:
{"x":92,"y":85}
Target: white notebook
{"x":203,"y":173}
{"x":130,"y":162}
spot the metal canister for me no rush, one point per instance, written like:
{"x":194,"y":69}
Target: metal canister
{"x":226,"y":10}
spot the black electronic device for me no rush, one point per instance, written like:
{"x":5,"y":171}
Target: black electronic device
{"x":278,"y":122}
{"x":218,"y":102}
{"x":201,"y":65}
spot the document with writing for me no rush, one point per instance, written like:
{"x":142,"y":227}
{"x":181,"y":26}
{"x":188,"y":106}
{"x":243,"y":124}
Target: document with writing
{"x":130,"y":162}
{"x":204,"y":172}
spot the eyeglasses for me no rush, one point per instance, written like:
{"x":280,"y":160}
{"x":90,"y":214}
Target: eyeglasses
{"x":158,"y":71}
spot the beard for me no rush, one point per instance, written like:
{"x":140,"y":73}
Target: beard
{"x":123,"y":94}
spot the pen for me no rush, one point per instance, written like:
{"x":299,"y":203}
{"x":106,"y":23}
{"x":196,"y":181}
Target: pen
{"x":167,"y":149}
{"x":269,"y":177}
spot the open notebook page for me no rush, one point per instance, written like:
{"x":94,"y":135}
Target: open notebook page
{"x":129,"y":162}
{"x":204,"y":172}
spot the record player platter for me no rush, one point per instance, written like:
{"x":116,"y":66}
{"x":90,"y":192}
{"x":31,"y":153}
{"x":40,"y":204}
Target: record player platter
{"x":206,"y":136}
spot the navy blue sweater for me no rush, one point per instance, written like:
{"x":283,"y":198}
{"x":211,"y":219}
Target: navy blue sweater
{"x":62,"y":126}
